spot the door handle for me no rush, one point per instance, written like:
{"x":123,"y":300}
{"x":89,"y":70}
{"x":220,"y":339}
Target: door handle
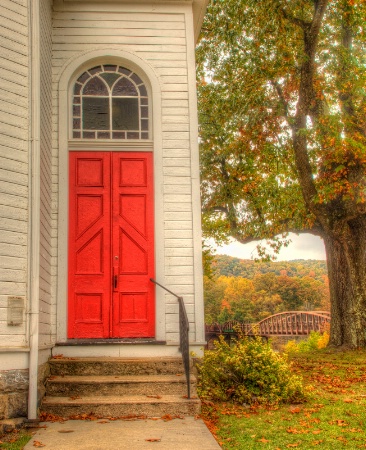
{"x":115,"y":278}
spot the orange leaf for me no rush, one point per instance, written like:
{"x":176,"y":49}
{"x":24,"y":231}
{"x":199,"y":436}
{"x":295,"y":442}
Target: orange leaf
{"x":38,"y":444}
{"x":153,"y":440}
{"x":293,"y":445}
{"x":263,"y":440}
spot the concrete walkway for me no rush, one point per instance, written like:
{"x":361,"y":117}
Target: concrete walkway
{"x":177,"y":434}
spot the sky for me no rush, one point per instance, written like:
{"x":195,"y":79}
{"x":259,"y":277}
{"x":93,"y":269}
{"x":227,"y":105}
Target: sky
{"x":304,"y":246}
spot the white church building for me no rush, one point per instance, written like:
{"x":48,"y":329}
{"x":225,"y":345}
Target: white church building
{"x":99,"y":185}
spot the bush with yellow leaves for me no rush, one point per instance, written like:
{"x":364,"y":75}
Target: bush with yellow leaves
{"x":315,"y":341}
{"x":248,"y":372}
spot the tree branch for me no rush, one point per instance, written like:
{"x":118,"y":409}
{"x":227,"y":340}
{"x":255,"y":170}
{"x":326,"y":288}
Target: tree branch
{"x":295,"y":20}
{"x":346,"y":97}
{"x":305,"y":104}
{"x":282,"y":99}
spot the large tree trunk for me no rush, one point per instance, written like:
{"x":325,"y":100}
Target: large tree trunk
{"x":346,"y":259}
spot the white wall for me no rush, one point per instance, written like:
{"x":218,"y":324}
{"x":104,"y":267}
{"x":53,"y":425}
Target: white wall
{"x":162,"y":36}
{"x":13,"y":163}
{"x":48,"y":224}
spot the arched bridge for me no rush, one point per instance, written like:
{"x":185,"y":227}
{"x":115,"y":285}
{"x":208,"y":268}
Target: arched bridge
{"x":289,"y":323}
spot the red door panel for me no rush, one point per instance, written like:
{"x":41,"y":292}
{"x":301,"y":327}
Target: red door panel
{"x":89,"y":245}
{"x":111,"y":246}
{"x":133,"y":245}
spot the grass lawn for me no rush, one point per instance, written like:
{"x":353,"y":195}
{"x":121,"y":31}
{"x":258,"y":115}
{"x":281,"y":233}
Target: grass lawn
{"x":15,"y":440}
{"x":334,"y":416}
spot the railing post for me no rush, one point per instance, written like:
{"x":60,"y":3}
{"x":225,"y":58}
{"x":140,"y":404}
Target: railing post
{"x":183,"y":335}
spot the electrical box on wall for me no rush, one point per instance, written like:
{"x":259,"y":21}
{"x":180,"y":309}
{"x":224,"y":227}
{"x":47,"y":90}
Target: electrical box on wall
{"x":16,"y":311}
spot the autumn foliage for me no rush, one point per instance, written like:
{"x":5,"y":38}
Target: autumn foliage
{"x":266,"y":289}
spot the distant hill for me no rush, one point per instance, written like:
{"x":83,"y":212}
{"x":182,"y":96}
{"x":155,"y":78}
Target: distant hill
{"x":246,"y":268}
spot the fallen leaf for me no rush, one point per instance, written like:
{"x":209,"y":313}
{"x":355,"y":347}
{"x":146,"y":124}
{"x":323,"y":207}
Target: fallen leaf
{"x":103,"y":421}
{"x":134,"y":417}
{"x":84,"y":416}
{"x":153,"y":440}
{"x":317,"y":442}
{"x":293,"y":445}
{"x":38,"y":444}
{"x":168,"y":417}
{"x":75,"y":397}
{"x":263,"y":440}
{"x":348,"y":400}
{"x":295,"y":410}
{"x":65,"y":431}
{"x":154,"y":396}
{"x":45,"y":417}
{"x":316,"y":431}
{"x":293,"y":431}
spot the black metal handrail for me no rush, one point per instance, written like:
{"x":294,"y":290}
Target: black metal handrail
{"x":183,"y":335}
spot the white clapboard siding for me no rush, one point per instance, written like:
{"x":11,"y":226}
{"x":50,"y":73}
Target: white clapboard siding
{"x":13,"y":162}
{"x":47,"y":192}
{"x":177,"y":189}
{"x":179,"y":289}
{"x":12,"y":262}
{"x":179,"y":251}
{"x":127,"y":25}
{"x":176,"y":172}
{"x":178,"y":153}
{"x":186,"y":215}
{"x":174,"y":118}
{"x":175,"y":127}
{"x":184,"y":243}
{"x":178,"y":224}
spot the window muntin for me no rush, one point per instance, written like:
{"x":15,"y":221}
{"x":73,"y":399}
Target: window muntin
{"x":110,"y":102}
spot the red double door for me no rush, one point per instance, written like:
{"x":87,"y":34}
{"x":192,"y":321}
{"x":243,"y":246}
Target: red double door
{"x":111,"y":245}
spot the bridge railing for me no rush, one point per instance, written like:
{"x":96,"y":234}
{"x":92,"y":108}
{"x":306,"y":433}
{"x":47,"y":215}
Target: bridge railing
{"x":282,"y":324}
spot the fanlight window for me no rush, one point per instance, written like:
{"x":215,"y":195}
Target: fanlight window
{"x":110,"y":102}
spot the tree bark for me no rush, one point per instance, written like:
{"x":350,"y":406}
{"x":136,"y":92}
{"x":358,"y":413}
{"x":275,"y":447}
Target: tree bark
{"x":346,"y":259}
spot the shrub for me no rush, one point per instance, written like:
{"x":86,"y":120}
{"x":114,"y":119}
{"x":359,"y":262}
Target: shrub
{"x":248,"y":372}
{"x":315,"y":341}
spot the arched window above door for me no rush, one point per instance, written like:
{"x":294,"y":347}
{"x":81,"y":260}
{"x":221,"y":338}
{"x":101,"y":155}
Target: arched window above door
{"x":110,"y":102}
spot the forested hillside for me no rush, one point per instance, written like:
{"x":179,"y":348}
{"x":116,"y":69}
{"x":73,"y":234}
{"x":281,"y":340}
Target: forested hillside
{"x":249,"y":291}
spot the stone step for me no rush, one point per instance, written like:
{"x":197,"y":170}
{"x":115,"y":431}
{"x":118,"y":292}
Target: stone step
{"x":118,"y":406}
{"x":82,"y":386}
{"x":116,"y":366}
